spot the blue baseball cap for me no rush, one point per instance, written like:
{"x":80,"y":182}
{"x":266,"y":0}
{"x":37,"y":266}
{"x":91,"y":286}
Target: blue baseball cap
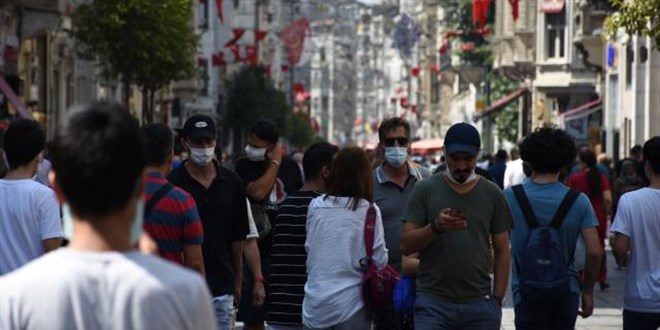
{"x":462,"y":137}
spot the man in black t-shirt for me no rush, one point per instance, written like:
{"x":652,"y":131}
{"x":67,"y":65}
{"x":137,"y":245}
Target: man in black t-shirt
{"x":269,"y":178}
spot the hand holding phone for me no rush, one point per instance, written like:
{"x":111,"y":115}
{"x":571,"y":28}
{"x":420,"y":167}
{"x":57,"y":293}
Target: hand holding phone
{"x":451,"y":219}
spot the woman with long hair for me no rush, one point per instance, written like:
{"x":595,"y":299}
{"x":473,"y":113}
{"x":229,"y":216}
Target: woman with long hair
{"x":628,"y":180}
{"x":596,"y":186}
{"x":335,"y":245}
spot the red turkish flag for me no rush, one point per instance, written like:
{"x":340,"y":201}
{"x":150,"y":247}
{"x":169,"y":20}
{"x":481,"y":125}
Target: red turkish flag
{"x":238,"y":33}
{"x":293,"y":37}
{"x":236,"y":52}
{"x":259,"y":35}
{"x":480,"y":12}
{"x":219,"y":5}
{"x":514,"y":9}
{"x":251,"y":55}
{"x":415,"y":71}
{"x":218,"y":59}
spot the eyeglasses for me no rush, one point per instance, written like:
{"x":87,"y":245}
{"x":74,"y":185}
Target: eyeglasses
{"x":403,"y":141}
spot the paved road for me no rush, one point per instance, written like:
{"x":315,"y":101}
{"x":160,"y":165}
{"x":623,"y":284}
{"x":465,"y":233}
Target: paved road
{"x":608,"y":303}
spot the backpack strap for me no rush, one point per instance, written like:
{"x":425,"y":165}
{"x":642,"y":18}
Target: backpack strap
{"x":526,"y":208}
{"x":564,"y":207}
{"x":156,"y":197}
{"x":369,"y":225}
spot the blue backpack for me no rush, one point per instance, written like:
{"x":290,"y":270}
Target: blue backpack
{"x":543,"y":272}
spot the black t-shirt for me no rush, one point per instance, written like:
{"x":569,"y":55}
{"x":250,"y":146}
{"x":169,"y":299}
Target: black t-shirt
{"x":223,"y":212}
{"x":289,"y":179}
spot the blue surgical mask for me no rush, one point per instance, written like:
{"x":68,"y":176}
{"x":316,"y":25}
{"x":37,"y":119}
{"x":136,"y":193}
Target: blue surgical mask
{"x":136,"y":228}
{"x":396,"y":156}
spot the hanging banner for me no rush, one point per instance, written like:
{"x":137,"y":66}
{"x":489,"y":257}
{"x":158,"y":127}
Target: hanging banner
{"x":293,"y":37}
{"x":514,"y":9}
{"x":219,"y":5}
{"x":406,"y":34}
{"x":480,"y":12}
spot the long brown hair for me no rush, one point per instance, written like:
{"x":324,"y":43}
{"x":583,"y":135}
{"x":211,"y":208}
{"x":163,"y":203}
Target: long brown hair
{"x":593,"y":176}
{"x":350,"y":176}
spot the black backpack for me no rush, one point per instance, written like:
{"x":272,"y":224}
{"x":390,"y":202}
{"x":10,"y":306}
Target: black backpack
{"x":543,"y":272}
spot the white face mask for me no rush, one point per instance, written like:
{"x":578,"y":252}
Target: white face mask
{"x":255,"y":154}
{"x":396,"y":156}
{"x":136,"y":227}
{"x":470,"y":178}
{"x":201,"y":156}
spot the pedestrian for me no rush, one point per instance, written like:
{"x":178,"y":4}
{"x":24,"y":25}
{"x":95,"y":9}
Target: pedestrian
{"x":100,"y":281}
{"x":497,"y":170}
{"x":548,"y":151}
{"x":29,"y":213}
{"x":269,"y":177}
{"x":171,"y":217}
{"x":628,"y":180}
{"x":451,"y":220}
{"x":287,"y":269}
{"x":514,"y":173}
{"x":394,"y":180}
{"x":220,"y":198}
{"x":335,"y":245}
{"x":636,"y":228}
{"x":253,"y":260}
{"x":597,"y":187}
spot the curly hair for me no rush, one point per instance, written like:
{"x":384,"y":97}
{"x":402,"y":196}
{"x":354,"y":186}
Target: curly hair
{"x":548,"y":150}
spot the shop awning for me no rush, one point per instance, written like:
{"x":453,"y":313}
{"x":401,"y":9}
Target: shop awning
{"x":582,"y":110}
{"x":427,"y":145}
{"x":552,"y":6}
{"x":501,"y":103}
{"x":13,"y":99}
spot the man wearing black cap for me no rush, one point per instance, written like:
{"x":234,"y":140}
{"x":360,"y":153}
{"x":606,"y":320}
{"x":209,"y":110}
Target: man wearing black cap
{"x":220,"y":199}
{"x":451,"y":220}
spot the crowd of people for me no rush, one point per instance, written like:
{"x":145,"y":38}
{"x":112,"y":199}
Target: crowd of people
{"x":119,"y":235}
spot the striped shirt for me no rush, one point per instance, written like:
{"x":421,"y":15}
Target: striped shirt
{"x":174,"y":220}
{"x":288,"y":271}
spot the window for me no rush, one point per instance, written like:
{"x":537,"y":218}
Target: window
{"x":555,"y":35}
{"x":630,"y":58}
{"x":203,"y":15}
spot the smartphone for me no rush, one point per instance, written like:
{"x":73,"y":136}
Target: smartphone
{"x":458,"y":212}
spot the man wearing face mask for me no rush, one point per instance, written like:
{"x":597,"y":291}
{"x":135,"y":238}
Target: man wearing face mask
{"x":29,"y":214}
{"x":100,"y":281}
{"x":268,"y":177}
{"x":451,"y":219}
{"x":220,"y":198}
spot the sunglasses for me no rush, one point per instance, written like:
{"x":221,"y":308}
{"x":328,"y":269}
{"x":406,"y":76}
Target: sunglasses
{"x":403,"y":141}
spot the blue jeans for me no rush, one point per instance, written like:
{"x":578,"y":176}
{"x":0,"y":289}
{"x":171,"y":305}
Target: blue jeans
{"x":433,"y":312}
{"x":558,"y":316}
{"x":640,"y":321}
{"x":223,"y":306}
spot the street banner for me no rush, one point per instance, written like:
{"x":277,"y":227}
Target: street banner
{"x":293,"y":36}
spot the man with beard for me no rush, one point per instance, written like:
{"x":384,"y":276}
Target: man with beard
{"x":450,"y":221}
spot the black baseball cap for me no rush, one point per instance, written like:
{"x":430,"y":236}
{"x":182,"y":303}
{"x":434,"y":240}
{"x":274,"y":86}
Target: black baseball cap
{"x":199,"y":126}
{"x":462,"y":137}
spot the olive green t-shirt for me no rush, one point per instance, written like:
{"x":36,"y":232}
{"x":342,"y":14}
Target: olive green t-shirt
{"x":455,"y":264}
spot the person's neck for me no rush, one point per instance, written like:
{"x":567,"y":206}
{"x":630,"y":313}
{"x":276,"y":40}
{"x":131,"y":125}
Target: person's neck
{"x":21,"y":173}
{"x":201,"y":171}
{"x":110,"y":233}
{"x":654,"y":182}
{"x":396,"y":172}
{"x":543,"y":178}
{"x":313,"y":185}
{"x":163,"y":169}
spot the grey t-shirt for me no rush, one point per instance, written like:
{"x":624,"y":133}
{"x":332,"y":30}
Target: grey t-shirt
{"x":455,"y":264}
{"x":67,"y":289}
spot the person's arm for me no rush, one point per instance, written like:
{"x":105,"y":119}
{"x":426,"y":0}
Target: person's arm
{"x":192,"y":257}
{"x":260,"y":188}
{"x":502,"y":263}
{"x":416,"y":237}
{"x":237,"y":260}
{"x":607,"y":202}
{"x":410,"y":264}
{"x":253,"y":259}
{"x":620,"y":249}
{"x":591,"y":269}
{"x":51,"y":244}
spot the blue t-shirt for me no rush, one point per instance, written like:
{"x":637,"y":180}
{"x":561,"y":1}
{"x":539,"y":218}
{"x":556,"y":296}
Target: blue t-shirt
{"x":545,"y":199}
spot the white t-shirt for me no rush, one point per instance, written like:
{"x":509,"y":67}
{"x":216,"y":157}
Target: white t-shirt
{"x":29,"y":214}
{"x":253,"y":227}
{"x":68,"y":289}
{"x":514,"y":174}
{"x":638,"y":217}
{"x":335,"y":244}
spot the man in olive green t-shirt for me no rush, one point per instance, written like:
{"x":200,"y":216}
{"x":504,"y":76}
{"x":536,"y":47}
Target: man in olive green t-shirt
{"x":451,"y":220}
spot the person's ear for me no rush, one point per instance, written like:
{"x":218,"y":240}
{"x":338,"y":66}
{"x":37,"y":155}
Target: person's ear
{"x":325,"y":172}
{"x":52,"y":180}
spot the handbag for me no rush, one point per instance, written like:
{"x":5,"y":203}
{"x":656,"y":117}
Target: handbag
{"x":378,"y":282}
{"x":405,"y":295}
{"x":261,"y":219}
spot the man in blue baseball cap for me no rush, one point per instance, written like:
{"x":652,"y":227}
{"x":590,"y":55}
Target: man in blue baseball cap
{"x":451,"y":219}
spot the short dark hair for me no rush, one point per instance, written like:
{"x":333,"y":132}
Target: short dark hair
{"x":636,"y":149}
{"x":390,"y":124}
{"x":501,"y":154}
{"x":651,"y":153}
{"x":24,"y":140}
{"x":98,"y":156}
{"x":265,"y":130}
{"x":548,"y":150}
{"x":160,"y":142}
{"x":350,"y":176}
{"x":316,"y":157}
